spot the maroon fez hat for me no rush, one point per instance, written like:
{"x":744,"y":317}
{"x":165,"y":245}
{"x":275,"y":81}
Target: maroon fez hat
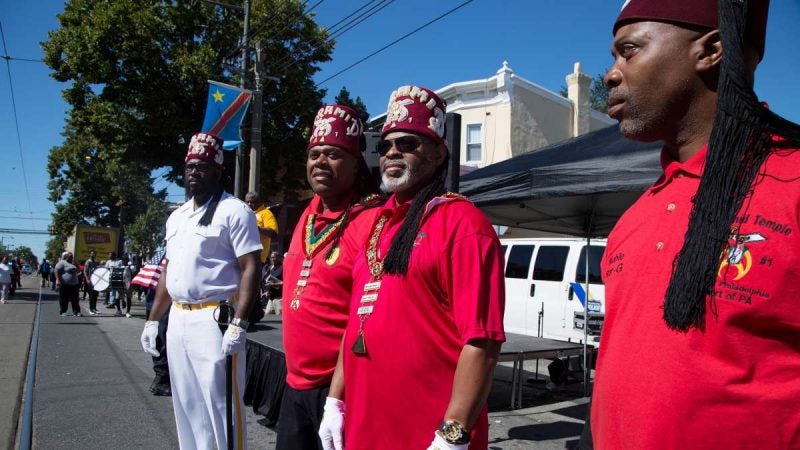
{"x":340,"y":126}
{"x":416,"y":110}
{"x":696,"y":12}
{"x":205,"y":147}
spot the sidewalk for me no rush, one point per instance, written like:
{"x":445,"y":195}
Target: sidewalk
{"x":16,"y":326}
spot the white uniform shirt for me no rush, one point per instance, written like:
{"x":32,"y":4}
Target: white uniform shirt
{"x":203,"y":262}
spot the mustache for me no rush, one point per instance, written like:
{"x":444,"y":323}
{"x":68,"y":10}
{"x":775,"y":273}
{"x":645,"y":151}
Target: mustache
{"x":616,"y":95}
{"x":395,"y":162}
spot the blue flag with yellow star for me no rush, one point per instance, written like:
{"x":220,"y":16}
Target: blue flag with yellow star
{"x":225,"y":110}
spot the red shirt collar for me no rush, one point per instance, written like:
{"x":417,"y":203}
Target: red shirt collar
{"x":692,"y":167}
{"x":317,"y":208}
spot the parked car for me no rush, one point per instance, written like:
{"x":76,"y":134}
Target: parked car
{"x":26,"y":269}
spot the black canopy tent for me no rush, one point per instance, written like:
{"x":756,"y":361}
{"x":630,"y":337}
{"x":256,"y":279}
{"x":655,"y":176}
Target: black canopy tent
{"x":578,"y":187}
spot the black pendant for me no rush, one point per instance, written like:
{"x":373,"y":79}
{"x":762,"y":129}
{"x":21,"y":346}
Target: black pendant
{"x":359,"y":346}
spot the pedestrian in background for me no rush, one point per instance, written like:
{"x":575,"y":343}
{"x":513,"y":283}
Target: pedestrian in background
{"x":273,"y":284}
{"x":88,"y":270}
{"x":68,"y":275}
{"x":44,"y":272}
{"x":5,"y":279}
{"x":267,"y":225}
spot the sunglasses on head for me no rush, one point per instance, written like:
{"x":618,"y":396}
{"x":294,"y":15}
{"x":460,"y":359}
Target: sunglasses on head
{"x":403,"y":144}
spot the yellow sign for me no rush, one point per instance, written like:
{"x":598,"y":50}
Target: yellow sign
{"x":86,"y":238}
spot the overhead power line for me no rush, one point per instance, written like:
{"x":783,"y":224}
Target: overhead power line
{"x":11,"y":58}
{"x":421,"y":27}
{"x":16,"y":118}
{"x":283,"y":66}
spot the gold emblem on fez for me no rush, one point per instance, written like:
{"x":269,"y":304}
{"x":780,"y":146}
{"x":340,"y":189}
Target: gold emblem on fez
{"x":398,"y":111}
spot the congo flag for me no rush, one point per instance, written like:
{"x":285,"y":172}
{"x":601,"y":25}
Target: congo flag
{"x":225,"y":110}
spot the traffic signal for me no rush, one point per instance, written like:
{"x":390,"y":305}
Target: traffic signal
{"x":52,"y":230}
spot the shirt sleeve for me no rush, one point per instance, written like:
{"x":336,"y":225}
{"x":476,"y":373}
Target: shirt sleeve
{"x":478,"y":287}
{"x":243,"y":231}
{"x":268,"y":220}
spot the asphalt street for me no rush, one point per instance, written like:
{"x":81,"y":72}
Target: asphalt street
{"x":92,"y":379}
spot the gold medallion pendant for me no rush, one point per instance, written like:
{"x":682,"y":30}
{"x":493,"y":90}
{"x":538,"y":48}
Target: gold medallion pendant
{"x":332,"y":257}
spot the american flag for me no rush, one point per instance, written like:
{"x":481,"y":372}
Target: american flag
{"x":149,"y":274}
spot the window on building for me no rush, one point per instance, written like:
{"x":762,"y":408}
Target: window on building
{"x":474,"y":142}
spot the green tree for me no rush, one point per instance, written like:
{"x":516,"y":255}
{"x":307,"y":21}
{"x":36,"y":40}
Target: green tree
{"x":137,"y":74}
{"x":25,"y":254}
{"x":146,"y":233}
{"x":598,"y":93}
{"x":343,"y":98}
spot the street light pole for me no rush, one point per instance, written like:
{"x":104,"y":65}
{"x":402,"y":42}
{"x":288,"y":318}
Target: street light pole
{"x":240,"y":151}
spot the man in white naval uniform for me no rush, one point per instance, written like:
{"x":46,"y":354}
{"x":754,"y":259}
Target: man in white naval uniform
{"x":212,"y":253}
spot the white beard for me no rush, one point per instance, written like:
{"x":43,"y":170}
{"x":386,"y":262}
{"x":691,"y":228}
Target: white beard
{"x":394,"y":184}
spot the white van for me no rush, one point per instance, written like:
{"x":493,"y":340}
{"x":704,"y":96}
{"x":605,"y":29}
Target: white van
{"x":541,"y":297}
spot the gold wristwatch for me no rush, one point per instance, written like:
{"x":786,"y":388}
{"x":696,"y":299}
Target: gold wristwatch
{"x":453,"y":432}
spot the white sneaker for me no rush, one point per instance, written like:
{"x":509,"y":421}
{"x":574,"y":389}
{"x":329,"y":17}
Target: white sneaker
{"x":128,"y":315}
{"x":93,"y":313}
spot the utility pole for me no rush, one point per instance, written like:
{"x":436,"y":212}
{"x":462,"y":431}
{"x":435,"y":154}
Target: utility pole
{"x":256,"y":105}
{"x":240,"y":151}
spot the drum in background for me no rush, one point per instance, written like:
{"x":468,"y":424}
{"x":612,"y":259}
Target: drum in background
{"x":101,"y":279}
{"x":117,"y":278}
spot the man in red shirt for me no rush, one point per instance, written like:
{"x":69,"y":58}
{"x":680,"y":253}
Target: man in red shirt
{"x":701,"y":341}
{"x":426,"y":320}
{"x":317,"y":271}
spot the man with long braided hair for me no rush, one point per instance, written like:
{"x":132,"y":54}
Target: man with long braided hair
{"x":426,"y":317}
{"x":212,"y":253}
{"x":701,"y":341}
{"x":317,"y":271}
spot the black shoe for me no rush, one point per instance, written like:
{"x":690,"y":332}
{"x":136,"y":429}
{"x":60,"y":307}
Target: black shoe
{"x":161,"y":390}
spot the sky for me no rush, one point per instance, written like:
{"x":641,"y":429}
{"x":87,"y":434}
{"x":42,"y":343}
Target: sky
{"x":540,"y":39}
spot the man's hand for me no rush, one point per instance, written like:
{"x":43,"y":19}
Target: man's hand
{"x":234,"y":339}
{"x":440,"y":444}
{"x":149,"y":337}
{"x":331,"y":429}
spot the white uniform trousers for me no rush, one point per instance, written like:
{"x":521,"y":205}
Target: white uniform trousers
{"x":197,"y":376}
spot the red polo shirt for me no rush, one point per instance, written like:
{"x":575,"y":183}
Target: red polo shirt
{"x":313,"y":333}
{"x":734,"y":385}
{"x":453,"y":293}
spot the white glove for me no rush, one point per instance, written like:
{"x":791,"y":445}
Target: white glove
{"x":440,"y":444}
{"x":331,"y":429}
{"x":149,"y":337}
{"x":234,"y":339}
